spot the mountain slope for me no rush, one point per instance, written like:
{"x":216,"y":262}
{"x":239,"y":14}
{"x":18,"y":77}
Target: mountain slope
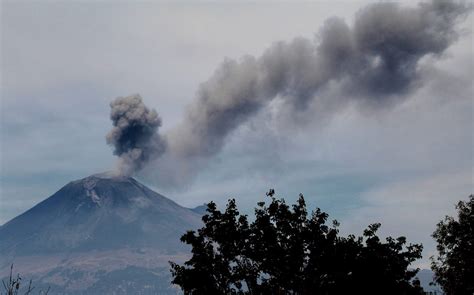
{"x":100,"y":226}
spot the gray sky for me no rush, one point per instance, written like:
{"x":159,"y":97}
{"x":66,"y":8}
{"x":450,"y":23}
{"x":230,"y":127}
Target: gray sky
{"x":62,"y":64}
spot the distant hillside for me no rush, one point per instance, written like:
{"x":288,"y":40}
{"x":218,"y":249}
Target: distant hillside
{"x":201,"y":210}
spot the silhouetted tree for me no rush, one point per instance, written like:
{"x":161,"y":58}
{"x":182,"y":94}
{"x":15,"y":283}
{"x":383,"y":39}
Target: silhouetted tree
{"x":285,"y":251}
{"x":454,"y":265}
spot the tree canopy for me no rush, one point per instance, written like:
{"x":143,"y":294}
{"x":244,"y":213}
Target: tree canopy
{"x":454,"y":264}
{"x":285,"y":250}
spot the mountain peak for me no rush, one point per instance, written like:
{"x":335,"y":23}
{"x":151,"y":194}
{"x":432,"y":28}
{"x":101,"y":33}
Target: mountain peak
{"x":108,"y":175}
{"x":107,"y":186}
{"x":101,"y":211}
{"x":98,"y":228}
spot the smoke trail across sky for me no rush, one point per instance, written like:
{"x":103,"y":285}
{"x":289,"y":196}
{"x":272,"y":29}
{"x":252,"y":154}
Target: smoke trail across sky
{"x":375,"y":62}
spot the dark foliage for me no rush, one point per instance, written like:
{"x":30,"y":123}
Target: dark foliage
{"x":454,"y":265}
{"x":285,"y":251}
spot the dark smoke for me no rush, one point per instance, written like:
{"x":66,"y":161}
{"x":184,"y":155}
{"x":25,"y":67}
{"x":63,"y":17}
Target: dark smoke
{"x":375,"y":62}
{"x":135,"y":133}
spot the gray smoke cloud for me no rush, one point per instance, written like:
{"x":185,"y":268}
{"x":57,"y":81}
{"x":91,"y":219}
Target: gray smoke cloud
{"x":375,"y":62}
{"x":135,"y":135}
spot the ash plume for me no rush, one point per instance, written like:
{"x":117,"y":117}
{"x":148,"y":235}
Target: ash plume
{"x":375,"y":62}
{"x":134,"y":135}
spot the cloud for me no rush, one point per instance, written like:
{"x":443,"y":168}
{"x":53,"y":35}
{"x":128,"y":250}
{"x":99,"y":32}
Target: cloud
{"x":374,"y":64}
{"x":412,"y":208}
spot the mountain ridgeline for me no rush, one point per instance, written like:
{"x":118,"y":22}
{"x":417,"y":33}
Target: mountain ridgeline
{"x":100,"y":228}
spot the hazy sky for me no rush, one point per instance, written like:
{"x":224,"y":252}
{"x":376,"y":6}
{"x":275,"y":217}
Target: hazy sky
{"x":62,"y":64}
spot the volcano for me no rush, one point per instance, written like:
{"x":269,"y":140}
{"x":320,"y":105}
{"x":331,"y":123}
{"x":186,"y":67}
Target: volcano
{"x":103,"y":234}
